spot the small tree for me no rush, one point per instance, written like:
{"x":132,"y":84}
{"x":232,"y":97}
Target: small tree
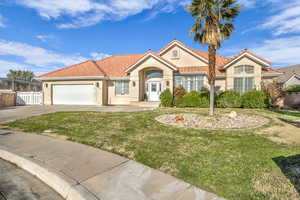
{"x":179,"y":92}
{"x":273,"y":90}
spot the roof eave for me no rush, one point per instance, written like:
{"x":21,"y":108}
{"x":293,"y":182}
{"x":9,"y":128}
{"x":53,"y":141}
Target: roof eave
{"x":128,"y":70}
{"x":249,"y":55}
{"x":70,"y":78}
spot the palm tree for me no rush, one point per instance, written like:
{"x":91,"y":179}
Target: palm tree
{"x":212,"y":26}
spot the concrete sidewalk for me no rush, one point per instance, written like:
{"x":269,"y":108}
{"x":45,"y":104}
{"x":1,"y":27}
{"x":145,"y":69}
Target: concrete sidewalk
{"x":78,"y":171}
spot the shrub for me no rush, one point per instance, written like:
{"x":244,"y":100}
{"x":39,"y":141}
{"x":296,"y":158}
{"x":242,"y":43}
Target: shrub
{"x":166,"y":98}
{"x":193,"y":99}
{"x":179,"y":92}
{"x":229,"y":99}
{"x":256,"y":99}
{"x":294,"y":88}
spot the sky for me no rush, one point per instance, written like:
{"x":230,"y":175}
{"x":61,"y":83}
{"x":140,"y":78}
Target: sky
{"x":44,"y":35}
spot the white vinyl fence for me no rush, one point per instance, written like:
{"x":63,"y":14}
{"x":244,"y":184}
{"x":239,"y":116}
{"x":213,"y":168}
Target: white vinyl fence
{"x":29,"y":98}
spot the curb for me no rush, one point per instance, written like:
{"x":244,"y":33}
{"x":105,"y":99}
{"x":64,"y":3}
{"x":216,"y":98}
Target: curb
{"x":68,"y":188}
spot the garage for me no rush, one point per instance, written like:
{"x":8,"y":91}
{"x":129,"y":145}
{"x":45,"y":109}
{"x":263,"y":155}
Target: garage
{"x":83,"y":94}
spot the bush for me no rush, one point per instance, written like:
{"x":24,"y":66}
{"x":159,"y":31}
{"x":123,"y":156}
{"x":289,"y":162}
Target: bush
{"x":256,"y":99}
{"x":179,"y":92}
{"x":229,"y":99}
{"x":193,"y":99}
{"x":294,"y":88}
{"x":166,"y":98}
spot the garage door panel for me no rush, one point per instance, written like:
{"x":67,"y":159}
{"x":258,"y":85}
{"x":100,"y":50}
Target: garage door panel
{"x":74,"y":95}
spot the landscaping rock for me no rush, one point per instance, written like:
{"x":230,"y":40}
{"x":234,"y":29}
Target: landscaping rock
{"x":225,"y":121}
{"x":232,"y":115}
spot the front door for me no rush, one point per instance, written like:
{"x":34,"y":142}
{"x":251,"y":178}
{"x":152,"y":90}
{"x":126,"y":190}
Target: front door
{"x":154,"y":91}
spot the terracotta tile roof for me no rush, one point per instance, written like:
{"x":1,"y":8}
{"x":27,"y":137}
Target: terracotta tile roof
{"x":115,"y":66}
{"x":220,"y":60}
{"x":87,"y":68}
{"x":192,"y":69}
{"x":271,"y":71}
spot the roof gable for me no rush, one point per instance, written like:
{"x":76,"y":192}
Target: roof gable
{"x":246,"y":53}
{"x":150,"y":54}
{"x":184,"y":47}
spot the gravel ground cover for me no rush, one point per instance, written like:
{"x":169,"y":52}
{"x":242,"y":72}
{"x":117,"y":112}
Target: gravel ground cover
{"x":221,"y":121}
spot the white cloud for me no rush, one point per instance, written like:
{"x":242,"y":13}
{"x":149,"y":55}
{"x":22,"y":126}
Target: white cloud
{"x":45,"y":38}
{"x":286,"y":17}
{"x":2,"y":25}
{"x":280,"y":51}
{"x":36,"y":55}
{"x":99,"y":56}
{"x":37,"y":59}
{"x":247,"y":3}
{"x":5,"y":66}
{"x":90,"y":12}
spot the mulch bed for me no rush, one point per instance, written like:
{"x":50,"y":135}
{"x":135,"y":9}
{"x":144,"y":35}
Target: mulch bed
{"x":224,"y":121}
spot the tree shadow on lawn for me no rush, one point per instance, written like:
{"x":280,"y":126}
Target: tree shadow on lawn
{"x":291,"y":122}
{"x":290,"y":167}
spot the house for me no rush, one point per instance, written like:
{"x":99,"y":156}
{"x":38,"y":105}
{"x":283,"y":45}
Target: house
{"x":126,"y":79}
{"x":290,"y":76}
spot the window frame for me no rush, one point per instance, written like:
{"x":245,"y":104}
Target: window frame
{"x":190,"y":82}
{"x":243,"y":69}
{"x":124,"y":87}
{"x":152,"y":72}
{"x":244,"y":84}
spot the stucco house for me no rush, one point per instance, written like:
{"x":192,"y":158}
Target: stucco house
{"x":290,"y":76}
{"x":127,"y":79}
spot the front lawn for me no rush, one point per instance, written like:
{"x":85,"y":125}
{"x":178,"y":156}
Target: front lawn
{"x":243,"y":164}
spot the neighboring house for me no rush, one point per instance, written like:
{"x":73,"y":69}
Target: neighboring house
{"x":290,"y":76}
{"x":126,"y":79}
{"x":7,"y":84}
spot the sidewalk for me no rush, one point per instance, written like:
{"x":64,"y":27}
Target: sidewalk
{"x":78,"y":171}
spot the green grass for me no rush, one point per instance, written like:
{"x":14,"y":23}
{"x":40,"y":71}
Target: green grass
{"x":233,"y":164}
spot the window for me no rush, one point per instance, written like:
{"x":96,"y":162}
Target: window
{"x":244,"y":69}
{"x":190,"y":83}
{"x":154,"y":74}
{"x":175,"y":54}
{"x":122,"y":87}
{"x":244,"y":84}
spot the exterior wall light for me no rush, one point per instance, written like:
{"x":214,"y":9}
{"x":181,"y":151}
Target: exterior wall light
{"x":97,"y":84}
{"x":46,"y":85}
{"x":133,"y":83}
{"x":168,"y":83}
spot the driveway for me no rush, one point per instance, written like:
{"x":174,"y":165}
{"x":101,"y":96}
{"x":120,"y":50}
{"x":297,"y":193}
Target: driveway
{"x":19,"y":112}
{"x":16,"y":184}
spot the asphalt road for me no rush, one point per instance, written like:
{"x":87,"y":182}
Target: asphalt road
{"x":16,"y":184}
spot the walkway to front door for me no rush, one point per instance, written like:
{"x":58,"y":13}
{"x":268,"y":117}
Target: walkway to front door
{"x":154,"y":90}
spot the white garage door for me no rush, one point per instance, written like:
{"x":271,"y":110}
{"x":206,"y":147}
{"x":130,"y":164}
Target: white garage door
{"x":74,"y":95}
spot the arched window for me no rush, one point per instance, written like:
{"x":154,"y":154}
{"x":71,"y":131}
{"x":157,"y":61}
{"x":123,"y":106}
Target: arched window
{"x":154,"y":74}
{"x":244,"y":69}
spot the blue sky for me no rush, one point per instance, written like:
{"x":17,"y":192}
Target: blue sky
{"x":43,"y":35}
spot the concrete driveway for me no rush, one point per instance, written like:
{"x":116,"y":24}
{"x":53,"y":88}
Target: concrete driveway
{"x":19,"y":112}
{"x":16,"y":184}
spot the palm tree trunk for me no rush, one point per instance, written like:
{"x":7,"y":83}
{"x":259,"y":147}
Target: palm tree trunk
{"x":212,"y":77}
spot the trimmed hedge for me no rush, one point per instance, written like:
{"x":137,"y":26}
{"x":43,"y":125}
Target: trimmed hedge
{"x":166,"y":98}
{"x":229,"y":99}
{"x":193,"y":99}
{"x":294,"y":88}
{"x":256,"y":99}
